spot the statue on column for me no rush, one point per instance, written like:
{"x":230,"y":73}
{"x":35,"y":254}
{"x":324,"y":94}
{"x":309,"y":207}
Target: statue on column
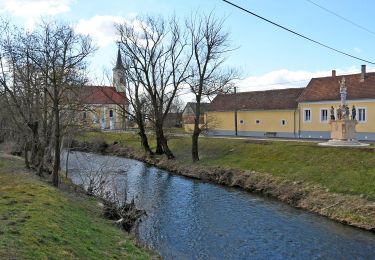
{"x":343,"y":92}
{"x":354,"y":113}
{"x":339,"y":113}
{"x":332,"y":111}
{"x":347,"y":112}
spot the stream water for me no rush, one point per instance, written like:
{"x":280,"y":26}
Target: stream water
{"x":191,"y":219}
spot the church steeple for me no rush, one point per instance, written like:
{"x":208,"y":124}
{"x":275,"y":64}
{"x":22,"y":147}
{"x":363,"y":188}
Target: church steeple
{"x":119,"y":74}
{"x":119,"y":61}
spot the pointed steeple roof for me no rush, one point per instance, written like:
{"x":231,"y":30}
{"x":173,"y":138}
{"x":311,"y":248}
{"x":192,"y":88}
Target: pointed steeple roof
{"x":119,"y":61}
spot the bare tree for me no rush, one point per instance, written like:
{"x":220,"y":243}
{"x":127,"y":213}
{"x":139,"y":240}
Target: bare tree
{"x":136,"y":105}
{"x":20,"y":82}
{"x":156,"y":50}
{"x":40,"y":73}
{"x":61,"y":55}
{"x":210,"y":44}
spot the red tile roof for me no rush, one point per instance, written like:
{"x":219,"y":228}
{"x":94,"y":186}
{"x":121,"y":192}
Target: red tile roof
{"x":257,"y":100}
{"x":102,"y":95}
{"x":328,"y":88}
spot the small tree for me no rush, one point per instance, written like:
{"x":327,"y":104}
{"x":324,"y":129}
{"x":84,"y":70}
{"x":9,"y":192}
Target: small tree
{"x":210,"y":44}
{"x":159,"y":64}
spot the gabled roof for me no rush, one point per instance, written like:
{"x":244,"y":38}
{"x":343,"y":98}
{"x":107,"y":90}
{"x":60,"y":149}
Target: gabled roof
{"x":102,"y":95}
{"x":257,"y":100}
{"x":193,"y":106}
{"x":328,"y":88}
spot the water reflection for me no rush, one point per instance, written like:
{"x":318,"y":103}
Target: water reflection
{"x":190,"y":219}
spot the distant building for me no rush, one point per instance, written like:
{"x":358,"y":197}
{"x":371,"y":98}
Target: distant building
{"x":173,"y":119}
{"x":188,"y":115}
{"x":260,"y":113}
{"x":105,"y":105}
{"x":295,"y":112}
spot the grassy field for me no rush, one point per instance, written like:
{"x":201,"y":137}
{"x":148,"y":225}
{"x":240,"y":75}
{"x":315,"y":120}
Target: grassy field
{"x":38,"y":221}
{"x":342,"y":170}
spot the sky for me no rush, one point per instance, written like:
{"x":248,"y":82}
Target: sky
{"x":264,"y":54}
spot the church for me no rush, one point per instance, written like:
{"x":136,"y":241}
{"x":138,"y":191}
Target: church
{"x":105,"y":106}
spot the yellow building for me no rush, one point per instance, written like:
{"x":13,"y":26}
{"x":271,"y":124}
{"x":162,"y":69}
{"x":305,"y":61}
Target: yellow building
{"x":321,"y":93}
{"x":259,"y":113}
{"x":295,"y":113}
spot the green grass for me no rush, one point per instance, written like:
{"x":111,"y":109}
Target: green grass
{"x":38,"y":221}
{"x":342,"y":170}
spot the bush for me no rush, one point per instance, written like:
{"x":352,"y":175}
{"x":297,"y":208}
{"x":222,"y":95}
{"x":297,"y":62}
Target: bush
{"x":98,"y":145}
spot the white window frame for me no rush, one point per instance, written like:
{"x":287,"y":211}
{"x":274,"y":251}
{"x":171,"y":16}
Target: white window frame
{"x":357,"y":116}
{"x":242,"y":122}
{"x":320,"y":115}
{"x":304,"y":113}
{"x":281,"y":122}
{"x":257,"y":123}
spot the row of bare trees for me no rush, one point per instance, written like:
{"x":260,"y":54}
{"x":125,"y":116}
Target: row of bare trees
{"x":40,"y":73}
{"x":164,"y":57}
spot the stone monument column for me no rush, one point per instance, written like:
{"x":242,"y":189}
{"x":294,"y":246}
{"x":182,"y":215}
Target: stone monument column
{"x":343,"y":128}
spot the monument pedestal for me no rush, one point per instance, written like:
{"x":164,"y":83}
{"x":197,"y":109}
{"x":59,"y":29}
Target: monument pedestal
{"x":343,"y":129}
{"x":343,"y":133}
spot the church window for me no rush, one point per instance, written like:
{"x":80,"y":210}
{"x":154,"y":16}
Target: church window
{"x":111,"y":113}
{"x":242,"y":122}
{"x":283,"y":122}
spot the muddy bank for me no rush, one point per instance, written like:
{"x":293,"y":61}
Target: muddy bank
{"x":348,"y":209}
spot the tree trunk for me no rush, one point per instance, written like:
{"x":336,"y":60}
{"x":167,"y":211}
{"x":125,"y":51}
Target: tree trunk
{"x":166,"y":149}
{"x":194,"y":144}
{"x":159,"y":146}
{"x":35,"y":145}
{"x":142,"y":133}
{"x":196,"y":132}
{"x":26,"y":156}
{"x":163,"y":141}
{"x":144,"y":140}
{"x":56,"y":164}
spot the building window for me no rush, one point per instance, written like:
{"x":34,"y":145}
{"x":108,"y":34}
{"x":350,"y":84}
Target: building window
{"x":242,"y":122}
{"x":324,"y":115}
{"x":307,"y":115}
{"x":94,"y":118}
{"x":111,"y":113}
{"x":283,"y":122}
{"x":362,"y":116}
{"x":257,"y":122}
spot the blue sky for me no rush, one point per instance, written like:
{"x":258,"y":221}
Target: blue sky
{"x":266,"y":55}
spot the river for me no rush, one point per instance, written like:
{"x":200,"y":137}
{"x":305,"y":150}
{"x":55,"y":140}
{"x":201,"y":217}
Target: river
{"x":191,"y":219}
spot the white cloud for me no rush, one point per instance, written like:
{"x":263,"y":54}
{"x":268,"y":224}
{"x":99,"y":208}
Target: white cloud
{"x":101,"y":27}
{"x":284,"y":78}
{"x":32,"y":9}
{"x":357,"y":50}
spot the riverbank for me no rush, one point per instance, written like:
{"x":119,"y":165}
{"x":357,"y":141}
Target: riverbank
{"x":328,"y":193}
{"x":38,"y":221}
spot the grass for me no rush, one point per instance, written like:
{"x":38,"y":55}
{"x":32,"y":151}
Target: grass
{"x":38,"y":221}
{"x":341,"y":170}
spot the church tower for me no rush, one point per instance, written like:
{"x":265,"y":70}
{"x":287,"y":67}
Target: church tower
{"x":119,"y":74}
